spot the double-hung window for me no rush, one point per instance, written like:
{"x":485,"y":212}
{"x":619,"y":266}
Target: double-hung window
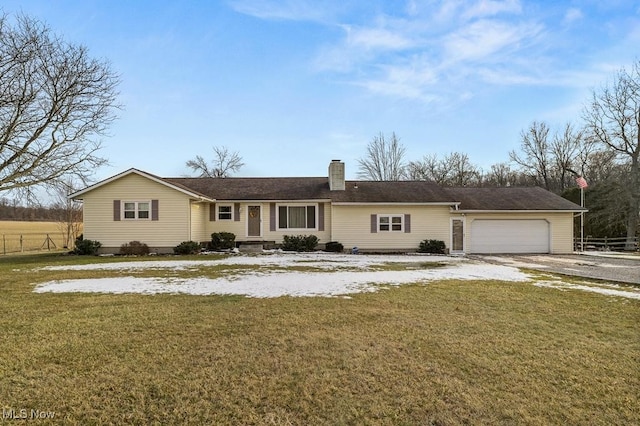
{"x":390,"y":223}
{"x":225,"y":212}
{"x":297,"y":217}
{"x":136,"y":209}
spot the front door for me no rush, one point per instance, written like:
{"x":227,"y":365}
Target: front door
{"x":457,"y":235}
{"x":254,"y":219}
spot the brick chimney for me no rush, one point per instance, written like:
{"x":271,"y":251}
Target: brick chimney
{"x":336,"y":175}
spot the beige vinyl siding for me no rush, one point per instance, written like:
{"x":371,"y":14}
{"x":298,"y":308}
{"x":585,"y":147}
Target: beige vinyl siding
{"x":277,"y":235}
{"x":352,"y":226}
{"x":560,"y":226}
{"x":199,"y":217}
{"x":236,"y":227}
{"x":239,"y":228}
{"x":171,"y":228}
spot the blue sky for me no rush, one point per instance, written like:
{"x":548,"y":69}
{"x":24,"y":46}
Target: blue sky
{"x":293,"y":84}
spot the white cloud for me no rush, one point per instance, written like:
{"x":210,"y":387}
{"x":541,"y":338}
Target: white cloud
{"x":361,"y":46}
{"x":376,"y":38}
{"x":433,"y":50}
{"x":486,"y":8}
{"x":461,"y":10}
{"x":410,"y":81}
{"x":297,"y":10}
{"x":507,"y":77}
{"x":573,"y":14}
{"x":484,"y":38}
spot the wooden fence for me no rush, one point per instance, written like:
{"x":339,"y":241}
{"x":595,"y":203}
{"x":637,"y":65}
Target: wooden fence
{"x":34,"y":241}
{"x":604,"y":244}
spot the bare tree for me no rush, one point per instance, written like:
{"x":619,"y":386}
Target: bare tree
{"x":384,"y":159}
{"x":613,"y":120}
{"x":54,"y":101}
{"x":460,"y":170}
{"x":564,"y":152}
{"x":501,"y":174}
{"x":224,"y":163}
{"x":547,"y":159}
{"x":69,"y":211}
{"x":534,"y":159}
{"x":598,"y":165}
{"x":454,"y":169}
{"x":429,"y":168}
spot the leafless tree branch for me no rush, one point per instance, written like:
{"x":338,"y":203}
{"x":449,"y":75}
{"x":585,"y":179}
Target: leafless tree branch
{"x":384,"y":160}
{"x":613,"y":120}
{"x":223,"y":164}
{"x":54,"y":101}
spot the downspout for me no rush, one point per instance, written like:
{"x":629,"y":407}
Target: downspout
{"x":189,"y":223}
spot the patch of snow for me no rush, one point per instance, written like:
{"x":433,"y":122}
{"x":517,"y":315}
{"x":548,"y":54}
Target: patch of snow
{"x":286,"y":283}
{"x":600,"y":289}
{"x":319,"y":260}
{"x":335,"y":275}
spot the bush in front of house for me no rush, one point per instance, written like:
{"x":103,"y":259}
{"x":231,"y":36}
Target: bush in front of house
{"x":222,"y":241}
{"x":334,"y":246}
{"x":431,"y":246}
{"x":187,"y":247}
{"x":134,"y":248}
{"x":299,"y":242}
{"x":86,"y":247}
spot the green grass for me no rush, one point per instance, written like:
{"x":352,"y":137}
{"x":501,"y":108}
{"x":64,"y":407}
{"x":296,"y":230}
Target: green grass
{"x":450,"y":352}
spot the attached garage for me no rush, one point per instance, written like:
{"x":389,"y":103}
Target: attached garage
{"x":510,"y":236}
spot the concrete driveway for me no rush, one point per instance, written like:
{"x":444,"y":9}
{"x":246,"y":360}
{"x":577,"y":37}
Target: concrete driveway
{"x":604,"y":266}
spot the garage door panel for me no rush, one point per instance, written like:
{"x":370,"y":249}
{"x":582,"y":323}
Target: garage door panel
{"x":510,"y":236}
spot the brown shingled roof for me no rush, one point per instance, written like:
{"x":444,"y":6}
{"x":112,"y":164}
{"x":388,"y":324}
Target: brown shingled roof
{"x":315,"y":188}
{"x":392,"y":192}
{"x":510,"y":198}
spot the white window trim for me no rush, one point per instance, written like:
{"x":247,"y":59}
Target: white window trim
{"x":278,"y":205}
{"x":136,"y":210}
{"x":391,"y":216}
{"x":218,"y":212}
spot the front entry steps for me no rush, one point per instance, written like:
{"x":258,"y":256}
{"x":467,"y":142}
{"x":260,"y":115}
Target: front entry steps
{"x":255,"y":246}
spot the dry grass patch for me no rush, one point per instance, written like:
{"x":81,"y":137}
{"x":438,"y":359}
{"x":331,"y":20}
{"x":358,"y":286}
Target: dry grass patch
{"x":449,"y":352}
{"x":27,"y":236}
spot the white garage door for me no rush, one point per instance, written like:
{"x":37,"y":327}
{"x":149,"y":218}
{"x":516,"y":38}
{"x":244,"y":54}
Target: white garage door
{"x":510,"y":236}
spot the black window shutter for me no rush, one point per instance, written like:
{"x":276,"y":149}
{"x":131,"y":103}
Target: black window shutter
{"x":407,"y":223}
{"x":116,"y":210}
{"x":154,"y":210}
{"x":212,"y":212}
{"x":374,"y":223}
{"x":236,"y":212}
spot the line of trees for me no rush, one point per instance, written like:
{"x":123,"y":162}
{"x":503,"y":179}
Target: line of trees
{"x":11,"y":209}
{"x":605,"y":150}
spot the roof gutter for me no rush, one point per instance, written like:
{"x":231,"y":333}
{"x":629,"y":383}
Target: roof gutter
{"x":520,"y":211}
{"x":386,"y":203}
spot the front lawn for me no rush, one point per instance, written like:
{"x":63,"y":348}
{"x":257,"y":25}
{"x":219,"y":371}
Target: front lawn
{"x":444,"y":352}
